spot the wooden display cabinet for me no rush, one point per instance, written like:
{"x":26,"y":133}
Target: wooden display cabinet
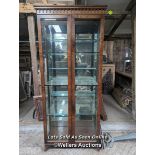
{"x":70,"y":49}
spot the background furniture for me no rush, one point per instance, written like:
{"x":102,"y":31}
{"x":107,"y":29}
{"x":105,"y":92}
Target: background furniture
{"x":108,"y":77}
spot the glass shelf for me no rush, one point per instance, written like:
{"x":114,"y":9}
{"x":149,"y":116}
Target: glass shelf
{"x":85,"y":40}
{"x":77,"y":40}
{"x":66,"y":115}
{"x":58,"y":115}
{"x":56,"y":68}
{"x":75,"y":68}
{"x":92,"y":52}
{"x":55,"y":54}
{"x":59,"y":40}
{"x":60,"y":36}
{"x":87,"y":68}
{"x":78,"y":93}
{"x":59,"y":93}
{"x":79,"y":80}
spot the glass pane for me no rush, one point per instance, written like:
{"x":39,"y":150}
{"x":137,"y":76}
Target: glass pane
{"x":86,"y":72}
{"x":55,"y":49}
{"x":85,"y":80}
{"x":56,"y":75}
{"x":86,"y":64}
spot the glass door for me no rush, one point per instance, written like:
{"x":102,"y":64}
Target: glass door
{"x":70,"y":49}
{"x":55,"y":58}
{"x":86,"y":75}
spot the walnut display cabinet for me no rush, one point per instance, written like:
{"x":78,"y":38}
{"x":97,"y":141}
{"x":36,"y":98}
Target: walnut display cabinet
{"x":71,"y":41}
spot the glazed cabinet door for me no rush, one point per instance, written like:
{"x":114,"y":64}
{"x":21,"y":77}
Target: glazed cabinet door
{"x":71,"y":74}
{"x":86,"y":74}
{"x":55,"y":67}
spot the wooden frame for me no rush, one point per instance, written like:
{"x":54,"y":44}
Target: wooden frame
{"x":71,"y":13}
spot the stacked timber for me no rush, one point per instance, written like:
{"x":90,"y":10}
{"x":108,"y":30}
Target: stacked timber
{"x":123,"y":97}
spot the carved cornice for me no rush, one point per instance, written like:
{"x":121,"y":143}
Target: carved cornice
{"x":66,"y":10}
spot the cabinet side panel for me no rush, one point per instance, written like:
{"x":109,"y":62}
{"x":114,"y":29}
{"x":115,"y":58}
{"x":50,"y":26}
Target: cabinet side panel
{"x":101,"y":46}
{"x":42,"y":77}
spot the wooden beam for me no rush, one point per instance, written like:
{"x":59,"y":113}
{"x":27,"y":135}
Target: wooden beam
{"x":118,"y":13}
{"x":116,"y":17}
{"x":78,"y":2}
{"x":133,"y":28}
{"x":33,"y":49}
{"x":29,"y":8}
{"x":60,"y":2}
{"x":118,"y":36}
{"x":26,"y":8}
{"x":44,"y":1}
{"x":50,"y":4}
{"x":117,"y":24}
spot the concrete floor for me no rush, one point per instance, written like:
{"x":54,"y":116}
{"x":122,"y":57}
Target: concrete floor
{"x":118,"y":119}
{"x":119,"y":122}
